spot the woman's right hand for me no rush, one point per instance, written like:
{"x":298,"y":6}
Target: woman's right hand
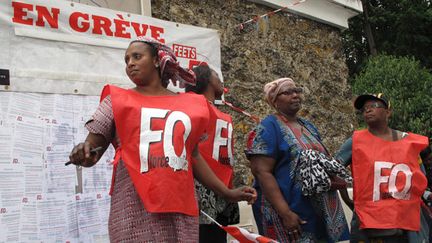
{"x":292,"y":223}
{"x":82,"y":156}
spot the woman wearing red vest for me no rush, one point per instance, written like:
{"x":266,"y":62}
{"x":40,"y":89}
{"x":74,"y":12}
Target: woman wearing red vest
{"x":387,"y":180}
{"x":155,"y":133}
{"x":217,"y":150}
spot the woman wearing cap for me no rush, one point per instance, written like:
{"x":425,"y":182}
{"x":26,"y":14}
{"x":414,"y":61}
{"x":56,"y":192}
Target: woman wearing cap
{"x":155,"y":132}
{"x":217,"y":151}
{"x":281,"y":211}
{"x":388,"y":182}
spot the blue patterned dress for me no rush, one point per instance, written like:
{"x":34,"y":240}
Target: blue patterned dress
{"x":324,"y":214}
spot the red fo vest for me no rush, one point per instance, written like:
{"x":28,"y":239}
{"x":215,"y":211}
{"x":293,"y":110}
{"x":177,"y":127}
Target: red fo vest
{"x":217,"y":149}
{"x":388,"y":182}
{"x":157,"y":136}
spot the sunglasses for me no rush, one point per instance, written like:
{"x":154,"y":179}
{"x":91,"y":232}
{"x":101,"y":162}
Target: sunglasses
{"x":373,"y":105}
{"x":291,"y":91}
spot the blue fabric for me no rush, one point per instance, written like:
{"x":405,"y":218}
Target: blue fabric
{"x":344,"y":155}
{"x":274,"y":139}
{"x":269,"y":141}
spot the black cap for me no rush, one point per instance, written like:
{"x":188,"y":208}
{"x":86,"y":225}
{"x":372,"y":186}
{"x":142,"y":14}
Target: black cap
{"x":361,"y":99}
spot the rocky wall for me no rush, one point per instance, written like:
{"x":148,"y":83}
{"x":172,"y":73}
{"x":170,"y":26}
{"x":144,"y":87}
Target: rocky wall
{"x":284,"y":45}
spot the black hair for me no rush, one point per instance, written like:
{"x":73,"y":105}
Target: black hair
{"x":153,"y":47}
{"x":203,"y":74}
{"x":425,"y":152}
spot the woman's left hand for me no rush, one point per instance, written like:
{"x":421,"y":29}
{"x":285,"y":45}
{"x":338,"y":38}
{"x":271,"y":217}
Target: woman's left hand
{"x":244,"y":193}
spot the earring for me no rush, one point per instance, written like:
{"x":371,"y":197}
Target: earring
{"x":157,"y":65}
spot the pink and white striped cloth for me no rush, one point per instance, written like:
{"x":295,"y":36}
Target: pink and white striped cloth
{"x":244,"y":236}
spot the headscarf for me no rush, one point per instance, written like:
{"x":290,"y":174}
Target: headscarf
{"x":168,"y":64}
{"x":272,"y":89}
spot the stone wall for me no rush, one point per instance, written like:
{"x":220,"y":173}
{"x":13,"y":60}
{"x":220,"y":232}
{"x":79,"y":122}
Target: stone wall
{"x":284,"y":45}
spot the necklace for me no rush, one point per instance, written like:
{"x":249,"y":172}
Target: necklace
{"x":293,"y":126}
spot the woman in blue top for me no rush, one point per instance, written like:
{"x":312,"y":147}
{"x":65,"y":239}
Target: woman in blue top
{"x":281,"y":211}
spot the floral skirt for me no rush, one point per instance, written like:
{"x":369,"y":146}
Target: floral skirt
{"x":130,"y":222}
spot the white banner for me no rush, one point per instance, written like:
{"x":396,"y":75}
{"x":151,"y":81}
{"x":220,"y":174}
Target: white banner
{"x":71,"y":48}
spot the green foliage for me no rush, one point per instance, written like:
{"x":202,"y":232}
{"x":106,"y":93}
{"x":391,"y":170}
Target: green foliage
{"x":400,"y":28}
{"x":407,"y":85}
{"x":355,"y":45}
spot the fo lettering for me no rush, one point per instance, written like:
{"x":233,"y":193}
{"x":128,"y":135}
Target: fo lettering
{"x":391,"y":180}
{"x":148,"y":136}
{"x":220,"y":141}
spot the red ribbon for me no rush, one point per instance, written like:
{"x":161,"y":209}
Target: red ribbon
{"x":254,"y":118}
{"x":269,"y":14}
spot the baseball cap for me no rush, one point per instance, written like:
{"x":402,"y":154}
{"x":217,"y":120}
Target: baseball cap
{"x":361,"y":99}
